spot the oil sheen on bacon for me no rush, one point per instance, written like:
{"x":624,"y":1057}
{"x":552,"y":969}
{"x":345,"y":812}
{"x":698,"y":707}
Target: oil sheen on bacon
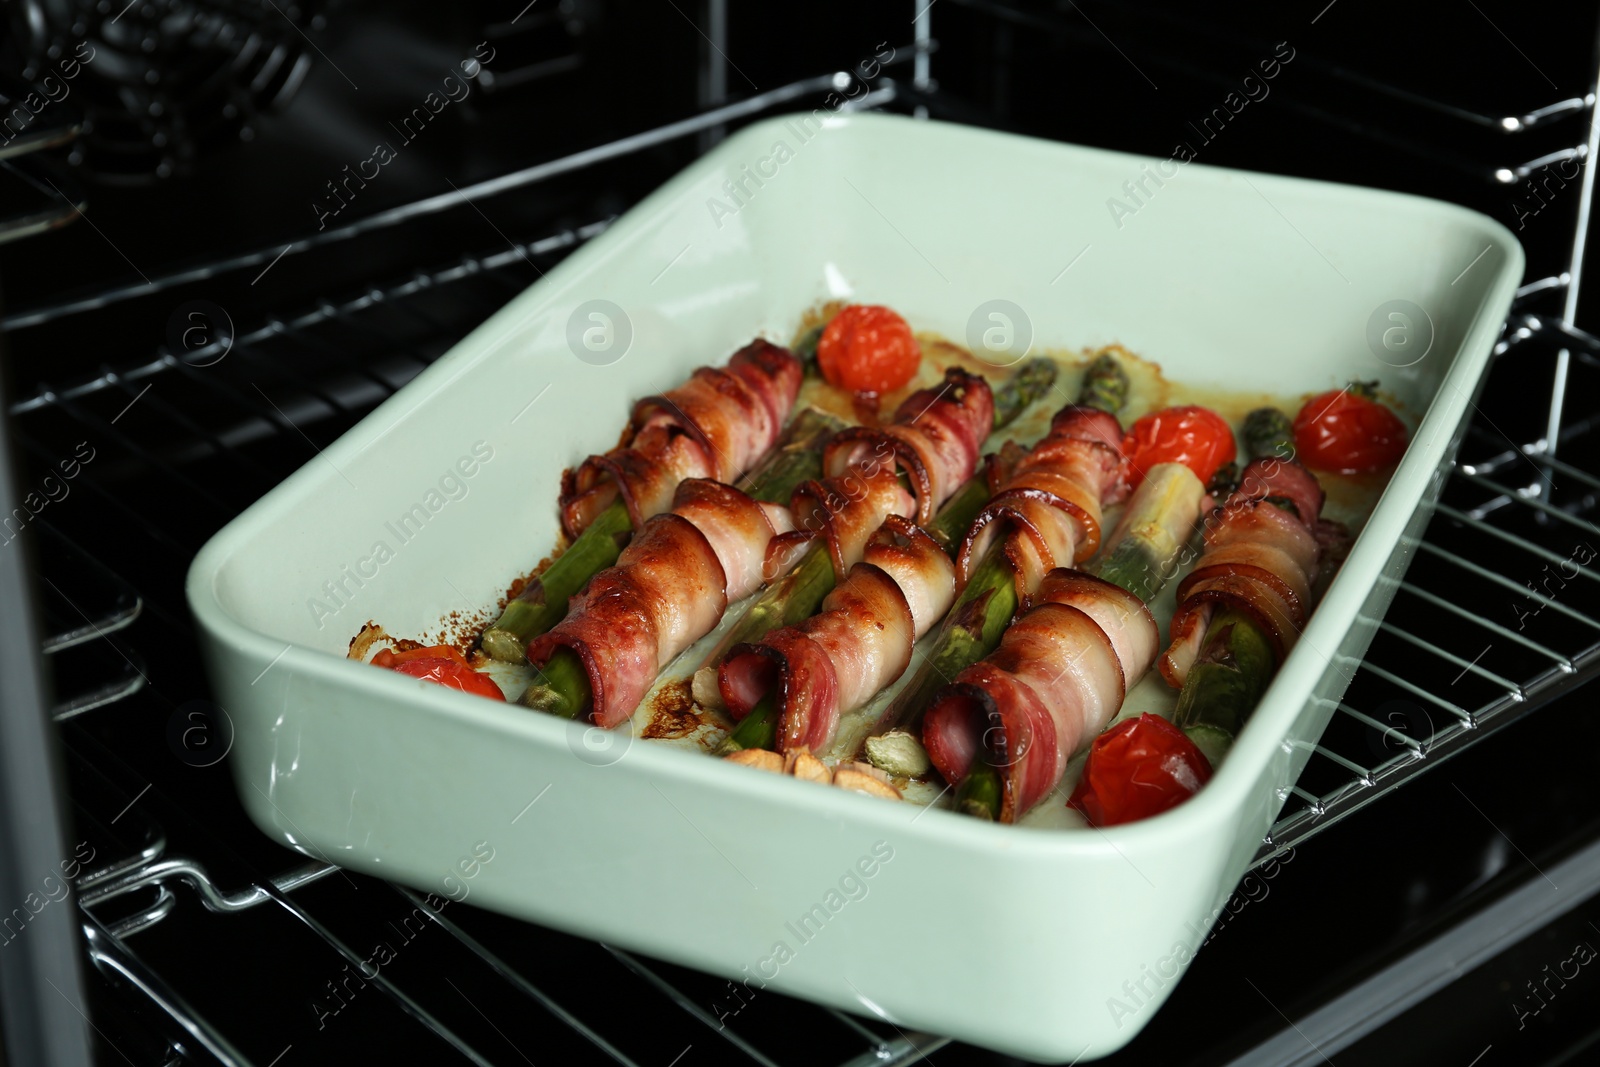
{"x":1058,"y":677}
{"x":1259,"y":557}
{"x":1047,"y":502}
{"x":715,"y":426}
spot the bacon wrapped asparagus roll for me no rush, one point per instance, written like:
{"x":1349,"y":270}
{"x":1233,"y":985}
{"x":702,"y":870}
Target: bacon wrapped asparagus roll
{"x":1239,"y":613}
{"x":1059,"y":675}
{"x":895,"y":579}
{"x":668,"y":589}
{"x":672,"y":584}
{"x":935,"y":442}
{"x":715,"y":426}
{"x":1260,"y":559}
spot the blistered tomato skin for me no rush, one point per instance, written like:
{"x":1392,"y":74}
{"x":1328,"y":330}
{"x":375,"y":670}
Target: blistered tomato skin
{"x":868,"y":349}
{"x":1138,"y":768}
{"x":1195,"y":436}
{"x":441,"y":665}
{"x":1348,"y":431}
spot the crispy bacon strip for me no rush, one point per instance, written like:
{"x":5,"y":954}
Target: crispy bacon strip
{"x":1047,"y":502}
{"x":935,"y":440}
{"x":1259,"y":557}
{"x":1059,"y":675}
{"x":668,"y":589}
{"x":858,"y":643}
{"x":716,"y":425}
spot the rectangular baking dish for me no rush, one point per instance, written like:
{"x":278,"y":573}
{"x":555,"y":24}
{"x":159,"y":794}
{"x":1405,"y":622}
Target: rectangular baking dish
{"x":1046,"y":945}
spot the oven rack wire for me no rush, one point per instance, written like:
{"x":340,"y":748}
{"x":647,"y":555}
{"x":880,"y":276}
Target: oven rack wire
{"x":1492,"y":502}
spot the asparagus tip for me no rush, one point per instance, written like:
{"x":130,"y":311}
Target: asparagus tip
{"x":1105,"y":384}
{"x":977,"y":809}
{"x":504,"y":646}
{"x":1268,"y":432}
{"x":545,"y":698}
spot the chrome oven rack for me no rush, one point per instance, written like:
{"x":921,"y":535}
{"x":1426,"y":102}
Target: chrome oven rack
{"x":1511,"y":524}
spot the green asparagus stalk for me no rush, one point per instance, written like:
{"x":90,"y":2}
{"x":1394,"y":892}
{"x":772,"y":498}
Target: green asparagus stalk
{"x":1154,"y":529}
{"x":563,"y":686}
{"x":800,"y":593}
{"x":797,"y":458}
{"x":1236,"y":660}
{"x":805,"y":346}
{"x":759,"y":729}
{"x":1225,"y":482}
{"x":1105,"y":385}
{"x":1031,"y":381}
{"x":1227,"y":679}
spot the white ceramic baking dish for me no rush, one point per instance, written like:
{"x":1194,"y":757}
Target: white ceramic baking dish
{"x":1049,"y":945}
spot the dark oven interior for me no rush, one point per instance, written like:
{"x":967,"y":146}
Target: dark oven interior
{"x":198,"y":298}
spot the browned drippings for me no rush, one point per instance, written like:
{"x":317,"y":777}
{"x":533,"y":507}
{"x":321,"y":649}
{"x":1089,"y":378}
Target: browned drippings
{"x":672,"y":712}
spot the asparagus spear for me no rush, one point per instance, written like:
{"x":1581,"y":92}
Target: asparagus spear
{"x":798,"y":595}
{"x":797,"y":458}
{"x":984,"y":609}
{"x":1031,"y":381}
{"x":1227,"y":679}
{"x":1154,"y":529}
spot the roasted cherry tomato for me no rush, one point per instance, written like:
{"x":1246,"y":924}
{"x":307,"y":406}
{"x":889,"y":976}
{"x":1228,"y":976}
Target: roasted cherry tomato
{"x":442,"y":665}
{"x":868,"y":349}
{"x":1197,"y":437}
{"x":1138,"y":768}
{"x":1347,"y":430}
